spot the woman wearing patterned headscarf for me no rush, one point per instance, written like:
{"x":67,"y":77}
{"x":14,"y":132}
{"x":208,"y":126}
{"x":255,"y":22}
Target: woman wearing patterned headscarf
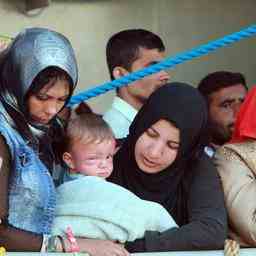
{"x":162,"y":160}
{"x":38,"y":74}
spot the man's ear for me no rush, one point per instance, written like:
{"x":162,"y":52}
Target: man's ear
{"x":67,"y":158}
{"x":119,"y":72}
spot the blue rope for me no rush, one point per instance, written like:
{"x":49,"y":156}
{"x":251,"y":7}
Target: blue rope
{"x":165,"y":64}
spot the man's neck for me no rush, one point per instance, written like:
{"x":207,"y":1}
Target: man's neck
{"x":134,"y":102}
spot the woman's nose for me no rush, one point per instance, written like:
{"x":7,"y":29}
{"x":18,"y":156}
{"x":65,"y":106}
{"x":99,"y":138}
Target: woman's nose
{"x":156,"y":150}
{"x":52,"y":108}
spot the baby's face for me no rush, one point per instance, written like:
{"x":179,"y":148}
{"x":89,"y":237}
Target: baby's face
{"x":93,"y":159}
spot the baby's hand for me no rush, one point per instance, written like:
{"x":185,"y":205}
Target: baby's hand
{"x":101,"y":247}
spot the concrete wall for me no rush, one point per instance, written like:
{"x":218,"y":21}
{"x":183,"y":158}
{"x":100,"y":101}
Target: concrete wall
{"x":182,"y":24}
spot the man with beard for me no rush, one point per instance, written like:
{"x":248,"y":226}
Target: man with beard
{"x":224,"y":92}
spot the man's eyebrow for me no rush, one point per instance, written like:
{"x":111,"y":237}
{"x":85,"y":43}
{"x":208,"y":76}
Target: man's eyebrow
{"x":227,"y":101}
{"x":232,"y":100}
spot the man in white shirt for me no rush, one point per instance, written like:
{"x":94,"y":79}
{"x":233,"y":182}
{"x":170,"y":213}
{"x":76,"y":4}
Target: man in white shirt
{"x":126,"y":52}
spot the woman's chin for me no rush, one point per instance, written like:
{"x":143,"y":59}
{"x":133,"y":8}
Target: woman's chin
{"x":39,"y":120}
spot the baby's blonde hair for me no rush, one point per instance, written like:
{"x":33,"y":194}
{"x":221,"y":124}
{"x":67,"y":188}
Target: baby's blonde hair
{"x":86,"y":128}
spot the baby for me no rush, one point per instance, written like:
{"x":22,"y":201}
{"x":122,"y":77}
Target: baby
{"x":89,"y":147}
{"x":92,"y":206}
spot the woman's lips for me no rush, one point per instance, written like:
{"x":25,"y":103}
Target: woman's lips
{"x":40,"y":120}
{"x":149,"y":163}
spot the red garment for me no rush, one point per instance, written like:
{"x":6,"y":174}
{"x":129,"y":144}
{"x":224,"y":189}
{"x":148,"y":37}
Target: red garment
{"x":245,"y":126}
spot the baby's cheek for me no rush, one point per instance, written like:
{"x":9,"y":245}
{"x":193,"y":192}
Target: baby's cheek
{"x":111,"y":167}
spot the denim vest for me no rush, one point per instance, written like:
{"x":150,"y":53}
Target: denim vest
{"x":32,"y":195}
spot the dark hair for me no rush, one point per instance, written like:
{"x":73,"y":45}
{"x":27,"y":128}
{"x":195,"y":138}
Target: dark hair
{"x":49,"y":74}
{"x":83,"y":108}
{"x":86,"y":128}
{"x":123,"y":47}
{"x":218,"y":80}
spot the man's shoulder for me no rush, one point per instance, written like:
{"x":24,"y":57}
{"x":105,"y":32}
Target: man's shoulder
{"x":122,"y":108}
{"x":244,"y":151}
{"x":118,"y":123}
{"x":241,"y":149}
{"x":112,"y":115}
{"x":119,"y":117}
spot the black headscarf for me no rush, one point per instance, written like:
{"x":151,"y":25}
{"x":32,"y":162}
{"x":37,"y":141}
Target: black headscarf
{"x":33,"y":51}
{"x":182,"y":105}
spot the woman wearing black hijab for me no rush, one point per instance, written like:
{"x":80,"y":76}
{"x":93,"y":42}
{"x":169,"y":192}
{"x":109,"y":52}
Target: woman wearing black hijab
{"x":162,"y":160}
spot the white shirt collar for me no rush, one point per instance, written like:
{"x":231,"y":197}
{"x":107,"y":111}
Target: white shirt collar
{"x":126,"y":109}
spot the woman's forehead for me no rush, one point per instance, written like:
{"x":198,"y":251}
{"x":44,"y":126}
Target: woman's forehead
{"x":166,"y":129}
{"x":57,"y":88}
{"x":163,"y":123}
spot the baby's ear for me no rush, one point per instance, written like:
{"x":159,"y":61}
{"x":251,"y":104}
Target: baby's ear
{"x":67,"y":158}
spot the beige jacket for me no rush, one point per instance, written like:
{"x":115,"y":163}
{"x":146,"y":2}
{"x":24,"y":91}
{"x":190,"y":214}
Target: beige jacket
{"x":236,"y":165}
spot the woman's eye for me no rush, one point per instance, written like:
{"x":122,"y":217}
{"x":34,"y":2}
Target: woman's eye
{"x":173,"y":145}
{"x":151,"y":133}
{"x":41,"y":97}
{"x":63,"y":99}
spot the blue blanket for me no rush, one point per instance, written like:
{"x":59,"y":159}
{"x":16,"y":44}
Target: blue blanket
{"x":95,"y":208}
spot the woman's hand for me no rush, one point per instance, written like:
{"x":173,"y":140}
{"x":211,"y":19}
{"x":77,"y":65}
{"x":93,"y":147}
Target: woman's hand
{"x":97,"y":247}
